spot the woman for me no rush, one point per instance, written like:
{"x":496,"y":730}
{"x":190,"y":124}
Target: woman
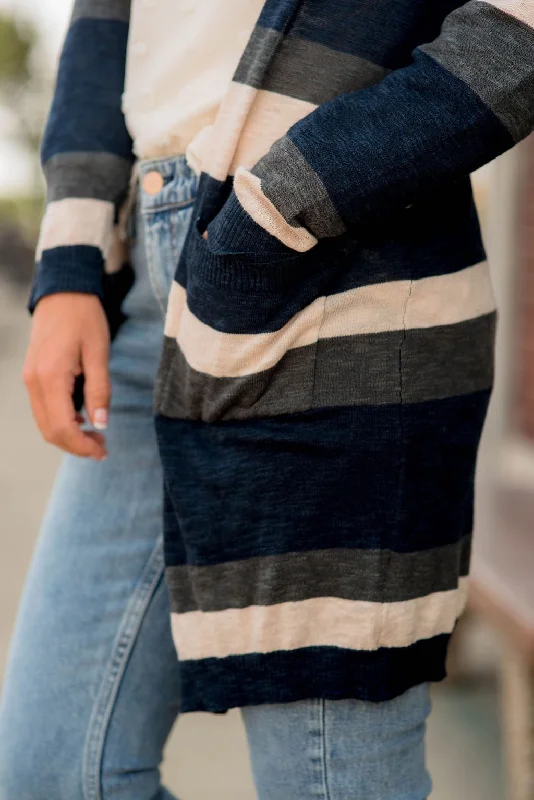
{"x":327,"y":363}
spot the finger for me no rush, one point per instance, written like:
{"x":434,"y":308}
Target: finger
{"x":99,"y":438}
{"x":63,"y":429}
{"x":95,"y":360}
{"x":37,"y":405}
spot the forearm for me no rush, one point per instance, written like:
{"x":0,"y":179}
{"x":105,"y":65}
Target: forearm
{"x":465,"y":99}
{"x":86,"y":152}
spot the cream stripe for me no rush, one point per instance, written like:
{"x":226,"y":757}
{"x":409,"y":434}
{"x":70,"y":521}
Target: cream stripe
{"x":233,"y":354}
{"x":425,"y":303}
{"x":76,"y":221}
{"x":522,"y":10}
{"x":324,"y":621}
{"x":248,"y":123}
{"x":226,"y":131}
{"x":175,"y":309}
{"x":270,"y":117}
{"x":249,"y":193}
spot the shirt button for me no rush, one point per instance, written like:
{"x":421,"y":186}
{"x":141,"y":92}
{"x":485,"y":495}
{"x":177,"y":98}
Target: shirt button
{"x":153,"y":182}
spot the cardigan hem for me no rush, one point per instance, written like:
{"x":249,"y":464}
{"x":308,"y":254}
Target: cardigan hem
{"x":329,"y":673}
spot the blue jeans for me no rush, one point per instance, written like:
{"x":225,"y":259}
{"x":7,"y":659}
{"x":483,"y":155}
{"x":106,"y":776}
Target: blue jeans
{"x":92,"y":686}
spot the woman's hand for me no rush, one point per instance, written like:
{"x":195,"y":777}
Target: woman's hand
{"x":69,"y":336}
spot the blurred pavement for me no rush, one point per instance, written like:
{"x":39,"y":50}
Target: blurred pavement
{"x":206,"y":758}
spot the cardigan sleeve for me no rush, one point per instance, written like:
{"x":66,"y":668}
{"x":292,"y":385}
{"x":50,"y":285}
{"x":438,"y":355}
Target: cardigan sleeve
{"x":86,"y":152}
{"x":464,"y":99}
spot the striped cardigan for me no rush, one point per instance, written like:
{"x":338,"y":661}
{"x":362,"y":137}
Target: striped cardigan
{"x":328,"y":351}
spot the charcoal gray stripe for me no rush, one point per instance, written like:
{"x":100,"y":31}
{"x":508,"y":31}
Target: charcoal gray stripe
{"x":376,"y":576}
{"x":99,"y":176}
{"x":334,"y":73}
{"x":183,"y":392}
{"x":444,"y":361}
{"x":439,"y":362}
{"x":102,"y":9}
{"x":498,"y":66}
{"x":258,"y":55}
{"x":289,"y":182}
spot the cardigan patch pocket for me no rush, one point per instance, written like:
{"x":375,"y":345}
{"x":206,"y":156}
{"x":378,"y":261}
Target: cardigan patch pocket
{"x":242,"y":334}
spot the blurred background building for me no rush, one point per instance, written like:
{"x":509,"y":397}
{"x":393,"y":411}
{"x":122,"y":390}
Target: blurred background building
{"x":481,"y":736}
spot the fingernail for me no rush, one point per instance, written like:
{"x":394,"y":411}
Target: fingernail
{"x":100,"y":419}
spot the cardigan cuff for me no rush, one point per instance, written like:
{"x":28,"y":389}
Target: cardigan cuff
{"x":78,"y":268}
{"x":234,"y":231}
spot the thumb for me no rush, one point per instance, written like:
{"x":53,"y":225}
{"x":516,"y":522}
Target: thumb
{"x":95,"y":360}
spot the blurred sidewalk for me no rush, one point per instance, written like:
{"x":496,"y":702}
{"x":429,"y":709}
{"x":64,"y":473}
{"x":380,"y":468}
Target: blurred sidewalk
{"x":206,"y":758}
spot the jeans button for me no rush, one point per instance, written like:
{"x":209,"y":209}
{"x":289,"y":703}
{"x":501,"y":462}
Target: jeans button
{"x":153,"y":182}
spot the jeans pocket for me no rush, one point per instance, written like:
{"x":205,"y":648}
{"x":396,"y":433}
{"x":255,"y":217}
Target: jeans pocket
{"x":165,"y":234}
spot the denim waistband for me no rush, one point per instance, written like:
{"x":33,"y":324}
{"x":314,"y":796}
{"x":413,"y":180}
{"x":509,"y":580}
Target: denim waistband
{"x":178,"y":184}
{"x":169,"y":167}
{"x":178,"y":188}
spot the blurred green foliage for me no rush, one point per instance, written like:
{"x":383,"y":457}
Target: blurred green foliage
{"x":17,"y":43}
{"x":24,"y":91}
{"x":23,"y":82}
{"x":24,"y":212}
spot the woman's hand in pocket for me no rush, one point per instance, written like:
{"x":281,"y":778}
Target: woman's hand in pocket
{"x":234,"y":232}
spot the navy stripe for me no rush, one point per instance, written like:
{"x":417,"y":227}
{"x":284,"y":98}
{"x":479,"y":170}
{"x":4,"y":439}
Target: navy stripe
{"x":235,"y":295}
{"x":397,"y":477}
{"x":278,"y":14}
{"x":77,"y":268}
{"x":386,"y":32}
{"x":211,"y":196}
{"x":392,"y":118}
{"x":86,"y":111}
{"x":286,"y":676}
{"x":438,"y":234}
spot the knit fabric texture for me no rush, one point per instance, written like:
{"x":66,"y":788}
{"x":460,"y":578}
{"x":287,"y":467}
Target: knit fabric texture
{"x":328,"y":354}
